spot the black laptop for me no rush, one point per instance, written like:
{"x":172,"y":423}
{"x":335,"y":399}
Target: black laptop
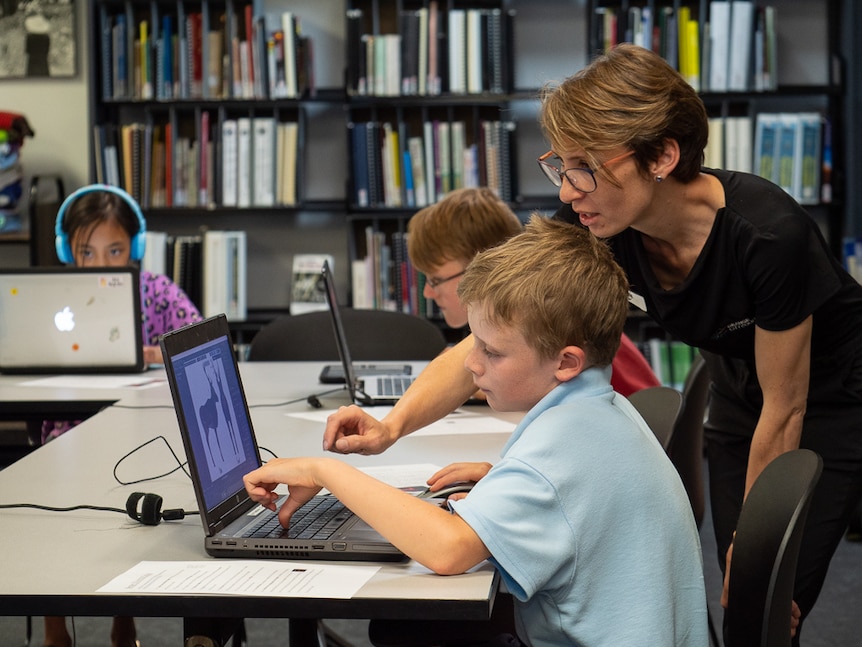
{"x":221,"y":448}
{"x":375,"y":389}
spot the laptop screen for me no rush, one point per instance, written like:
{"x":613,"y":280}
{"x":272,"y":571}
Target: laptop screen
{"x":221,"y":443}
{"x":70,"y":320}
{"x":340,"y":336}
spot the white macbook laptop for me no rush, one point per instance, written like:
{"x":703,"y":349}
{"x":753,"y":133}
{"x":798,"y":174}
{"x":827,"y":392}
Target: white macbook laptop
{"x":70,"y":320}
{"x":365,"y":390}
{"x":221,"y":448}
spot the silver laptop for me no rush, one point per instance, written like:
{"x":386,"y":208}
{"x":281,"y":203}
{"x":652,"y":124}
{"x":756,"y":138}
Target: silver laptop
{"x":368,"y":389}
{"x":221,"y":448}
{"x":70,"y":320}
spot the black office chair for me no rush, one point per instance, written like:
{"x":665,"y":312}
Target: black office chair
{"x":766,"y":550}
{"x":685,"y":448}
{"x":660,"y":407}
{"x":372,"y":335}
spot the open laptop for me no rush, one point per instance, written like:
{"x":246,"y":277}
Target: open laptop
{"x":221,"y":448}
{"x":369,"y":389}
{"x":70,"y":320}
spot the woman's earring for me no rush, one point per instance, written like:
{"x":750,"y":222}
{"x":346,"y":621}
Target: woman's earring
{"x":658,"y":178}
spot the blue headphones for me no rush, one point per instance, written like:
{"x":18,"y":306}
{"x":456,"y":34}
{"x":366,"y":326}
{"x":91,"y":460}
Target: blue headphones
{"x":61,"y":238}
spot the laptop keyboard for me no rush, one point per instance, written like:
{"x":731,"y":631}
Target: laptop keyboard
{"x":393,"y":385}
{"x":317,"y":519}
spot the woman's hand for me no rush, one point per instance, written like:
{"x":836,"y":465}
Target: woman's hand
{"x":351,"y":430}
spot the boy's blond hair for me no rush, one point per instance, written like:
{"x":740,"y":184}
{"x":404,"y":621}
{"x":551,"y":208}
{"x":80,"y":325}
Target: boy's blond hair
{"x":629,"y":97}
{"x":558,"y":284}
{"x":462,"y":224}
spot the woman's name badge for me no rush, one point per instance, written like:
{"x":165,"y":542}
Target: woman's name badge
{"x":637,"y":301}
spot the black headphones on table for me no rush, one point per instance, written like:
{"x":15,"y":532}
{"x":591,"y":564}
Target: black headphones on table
{"x":61,"y":237}
{"x":146,"y":508}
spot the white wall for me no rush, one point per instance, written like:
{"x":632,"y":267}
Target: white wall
{"x":57,"y":111}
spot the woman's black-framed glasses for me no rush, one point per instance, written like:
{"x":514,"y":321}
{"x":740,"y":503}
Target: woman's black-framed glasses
{"x":434,"y":283}
{"x":581,"y":178}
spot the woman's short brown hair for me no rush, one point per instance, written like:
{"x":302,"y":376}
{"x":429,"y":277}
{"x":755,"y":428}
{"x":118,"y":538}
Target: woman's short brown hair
{"x":629,"y":97}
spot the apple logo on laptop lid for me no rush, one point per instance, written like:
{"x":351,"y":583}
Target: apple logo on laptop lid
{"x":65,"y":320}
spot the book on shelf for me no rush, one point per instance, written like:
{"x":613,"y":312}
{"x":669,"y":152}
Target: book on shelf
{"x":738,"y":141}
{"x":264,"y":161}
{"x":808,"y":158}
{"x":288,"y":152}
{"x":713,"y":154}
{"x":416,"y":153}
{"x":244,"y":162}
{"x":204,"y":161}
{"x":289,"y":28}
{"x":360,"y":163}
{"x":790,"y":152}
{"x":457,"y":43}
{"x":224,"y":274}
{"x":719,"y":45}
{"x":185,"y":263}
{"x":230,"y":161}
{"x":740,"y":67}
{"x":785,"y":156}
{"x":155,"y":253}
{"x":765,"y":145}
{"x":360,"y":275}
{"x":306,"y":293}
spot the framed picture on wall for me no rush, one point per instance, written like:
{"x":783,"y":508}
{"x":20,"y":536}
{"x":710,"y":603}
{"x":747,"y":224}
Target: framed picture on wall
{"x":37,"y":39}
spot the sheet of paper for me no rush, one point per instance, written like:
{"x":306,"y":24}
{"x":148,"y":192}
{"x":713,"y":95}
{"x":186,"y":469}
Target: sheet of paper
{"x":138,"y":381}
{"x":402,"y":476}
{"x":270,"y":578}
{"x":456,"y":423}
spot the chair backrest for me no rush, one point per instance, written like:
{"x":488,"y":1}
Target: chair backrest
{"x":372,"y":335}
{"x":686,"y":445}
{"x":660,"y":407}
{"x":766,"y":550}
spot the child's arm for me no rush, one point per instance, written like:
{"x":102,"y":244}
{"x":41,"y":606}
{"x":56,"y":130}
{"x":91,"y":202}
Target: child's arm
{"x":434,"y":537}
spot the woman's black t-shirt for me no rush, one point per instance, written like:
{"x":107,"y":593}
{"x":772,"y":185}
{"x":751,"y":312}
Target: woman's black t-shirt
{"x":764,"y":263}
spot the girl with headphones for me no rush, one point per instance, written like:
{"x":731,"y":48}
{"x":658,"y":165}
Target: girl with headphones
{"x":102,"y":226}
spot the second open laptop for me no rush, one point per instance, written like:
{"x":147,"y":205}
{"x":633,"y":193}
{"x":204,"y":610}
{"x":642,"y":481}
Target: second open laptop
{"x":70,"y":320}
{"x":365,"y":390}
{"x":220,"y":444}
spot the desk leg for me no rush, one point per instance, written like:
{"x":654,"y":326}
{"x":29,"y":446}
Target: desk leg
{"x":212,"y":632}
{"x":305,"y":631}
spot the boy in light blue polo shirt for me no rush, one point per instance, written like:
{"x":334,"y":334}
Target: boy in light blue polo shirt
{"x":584,"y":514}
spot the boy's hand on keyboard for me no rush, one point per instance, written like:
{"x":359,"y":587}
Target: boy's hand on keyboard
{"x":296,"y":473}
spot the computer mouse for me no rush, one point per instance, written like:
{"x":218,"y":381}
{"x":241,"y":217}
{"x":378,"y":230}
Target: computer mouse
{"x":463,"y":486}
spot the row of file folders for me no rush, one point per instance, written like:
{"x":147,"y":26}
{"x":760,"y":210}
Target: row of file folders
{"x":392,"y":167}
{"x":209,"y":267}
{"x":186,"y":53}
{"x":459,"y":51}
{"x":792,"y":149}
{"x":244,"y":162}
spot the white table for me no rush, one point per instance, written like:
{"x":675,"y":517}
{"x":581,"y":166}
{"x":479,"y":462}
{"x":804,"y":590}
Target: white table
{"x":53,"y":563}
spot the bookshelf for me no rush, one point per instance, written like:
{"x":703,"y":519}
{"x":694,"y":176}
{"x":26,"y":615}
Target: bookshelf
{"x":546,"y":41}
{"x":748,"y":60}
